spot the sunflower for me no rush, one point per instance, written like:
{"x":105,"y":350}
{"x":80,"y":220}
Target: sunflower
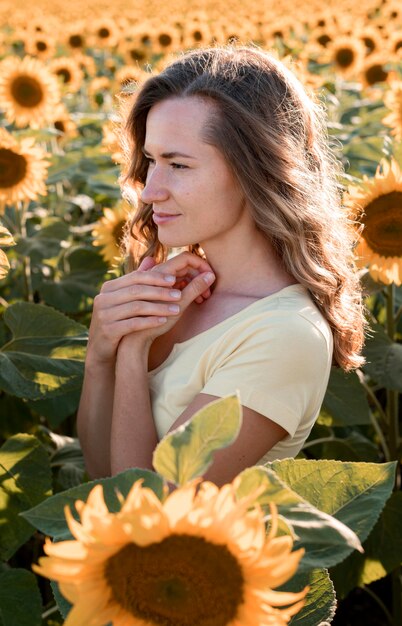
{"x":63,"y":123}
{"x":40,"y":45}
{"x":200,"y":557}
{"x":393,"y":100}
{"x":23,"y":169}
{"x":28,"y":91}
{"x":6,"y":239}
{"x":372,"y":39}
{"x":346,"y":55}
{"x":195,"y":33}
{"x":99,"y":91}
{"x":75,"y":37}
{"x":377,"y":203}
{"x":68,"y":70}
{"x":129,"y":74}
{"x":105,"y":33}
{"x":374,"y":70}
{"x":111,"y":142}
{"x":110,"y":231}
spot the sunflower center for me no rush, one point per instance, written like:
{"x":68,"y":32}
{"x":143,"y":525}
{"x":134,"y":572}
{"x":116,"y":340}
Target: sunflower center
{"x":344,"y":57}
{"x":104,"y":33}
{"x":118,"y":232}
{"x":76,"y":41}
{"x":27,"y":91}
{"x":181,"y":581}
{"x":376,"y":74}
{"x":165,"y":39}
{"x":64,"y":74}
{"x":13,"y":168}
{"x":383,"y":224}
{"x":59,"y":125}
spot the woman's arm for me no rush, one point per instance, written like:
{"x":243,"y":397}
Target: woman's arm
{"x":135,"y":306}
{"x":133,"y":432}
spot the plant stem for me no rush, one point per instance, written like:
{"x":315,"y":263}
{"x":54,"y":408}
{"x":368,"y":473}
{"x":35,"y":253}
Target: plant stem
{"x":26,"y":262}
{"x":380,"y":604}
{"x":393,"y":439}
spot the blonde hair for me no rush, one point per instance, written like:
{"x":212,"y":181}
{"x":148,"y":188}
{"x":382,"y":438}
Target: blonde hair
{"x":272,"y":135}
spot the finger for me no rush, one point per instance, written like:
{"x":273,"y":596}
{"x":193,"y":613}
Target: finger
{"x":136,"y":292}
{"x":138,"y":308}
{"x":196,"y":288}
{"x":185,"y":260}
{"x":141,"y":278}
{"x":147,"y":264}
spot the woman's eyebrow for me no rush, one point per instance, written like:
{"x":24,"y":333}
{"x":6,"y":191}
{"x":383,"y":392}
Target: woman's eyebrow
{"x":169,"y":155}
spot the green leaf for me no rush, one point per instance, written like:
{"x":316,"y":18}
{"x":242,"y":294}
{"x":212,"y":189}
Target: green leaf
{"x":20,"y":599}
{"x":57,"y":408}
{"x":384,"y":359}
{"x":45,"y":355}
{"x":353,"y":493}
{"x":49,"y":516}
{"x":320,"y":600}
{"x":345,"y":399}
{"x":188,"y":451}
{"x":45,"y":242}
{"x":25,"y":480}
{"x":382,"y":551}
{"x":325,"y":539}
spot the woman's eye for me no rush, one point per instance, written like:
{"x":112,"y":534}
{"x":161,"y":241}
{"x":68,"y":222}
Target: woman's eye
{"x":178,"y":166}
{"x":150,"y":161}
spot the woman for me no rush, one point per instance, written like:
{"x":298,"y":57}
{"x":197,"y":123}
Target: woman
{"x":233,"y":165}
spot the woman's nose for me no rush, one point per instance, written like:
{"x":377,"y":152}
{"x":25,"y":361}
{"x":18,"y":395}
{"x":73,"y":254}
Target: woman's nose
{"x":155,"y":189}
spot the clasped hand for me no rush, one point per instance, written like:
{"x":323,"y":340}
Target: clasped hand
{"x":146,"y":303}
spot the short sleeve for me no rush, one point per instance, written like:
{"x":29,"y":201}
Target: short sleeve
{"x":280,"y":369}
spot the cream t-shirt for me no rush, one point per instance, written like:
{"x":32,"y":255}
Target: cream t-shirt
{"x":276,"y":353}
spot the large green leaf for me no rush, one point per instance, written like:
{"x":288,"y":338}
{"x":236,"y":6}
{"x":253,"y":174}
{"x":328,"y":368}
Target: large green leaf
{"x":354,"y":493}
{"x":45,"y":355}
{"x":384,"y":359}
{"x":320,"y":600}
{"x":25,"y":480}
{"x":45,"y":241}
{"x":382,"y":551}
{"x":20,"y":599}
{"x":345,"y":399}
{"x":49,"y":516}
{"x":325,"y":539}
{"x":188,"y":451}
{"x":78,"y":283}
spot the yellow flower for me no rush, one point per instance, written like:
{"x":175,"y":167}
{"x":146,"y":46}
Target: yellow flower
{"x":69,"y":71}
{"x":110,"y":231}
{"x":200,"y":557}
{"x":393,"y":100}
{"x":377,"y":203}
{"x":23,"y":169}
{"x":28,"y":91}
{"x":63,"y":122}
{"x":346,"y":55}
{"x":6,"y":239}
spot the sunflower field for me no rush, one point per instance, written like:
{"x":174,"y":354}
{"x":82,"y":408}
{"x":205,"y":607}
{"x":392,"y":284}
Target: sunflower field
{"x":310,"y":541}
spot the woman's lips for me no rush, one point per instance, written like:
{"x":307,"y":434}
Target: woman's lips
{"x":164,"y":218}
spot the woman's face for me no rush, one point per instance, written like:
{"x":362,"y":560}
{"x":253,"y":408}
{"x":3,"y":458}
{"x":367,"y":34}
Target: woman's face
{"x":194,"y":196}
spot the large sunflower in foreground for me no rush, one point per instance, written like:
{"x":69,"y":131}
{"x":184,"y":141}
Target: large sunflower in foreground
{"x":377,"y":203}
{"x":23,"y":169}
{"x":197,"y":559}
{"x":28,"y":91}
{"x":109,"y":232}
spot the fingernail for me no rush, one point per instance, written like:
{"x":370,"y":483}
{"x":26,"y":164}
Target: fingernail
{"x":174,"y":308}
{"x":170,"y":279}
{"x":175,"y":293}
{"x":209,"y":278}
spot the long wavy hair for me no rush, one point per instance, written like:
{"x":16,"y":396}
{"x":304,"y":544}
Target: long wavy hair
{"x":273,"y":137}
